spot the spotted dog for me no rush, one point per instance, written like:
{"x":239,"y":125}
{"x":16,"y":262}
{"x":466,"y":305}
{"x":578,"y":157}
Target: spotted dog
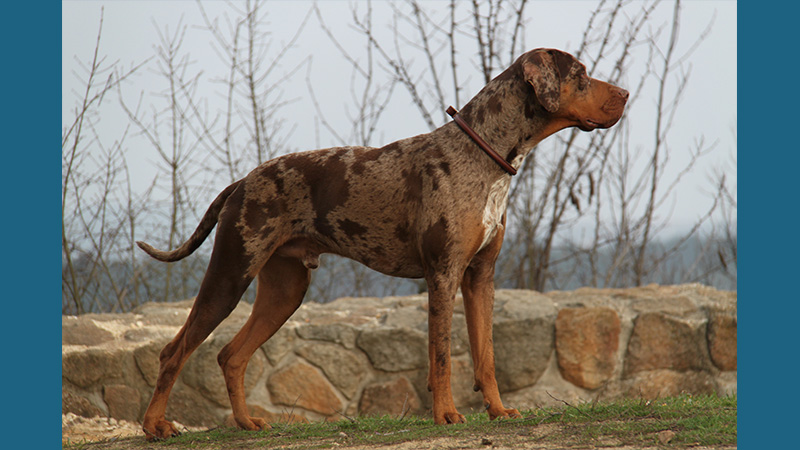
{"x":430,"y":206}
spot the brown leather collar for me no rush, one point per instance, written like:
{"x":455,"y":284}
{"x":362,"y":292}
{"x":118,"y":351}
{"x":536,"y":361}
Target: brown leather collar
{"x":481,"y":143}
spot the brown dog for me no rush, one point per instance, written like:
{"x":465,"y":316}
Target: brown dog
{"x":429,"y":206}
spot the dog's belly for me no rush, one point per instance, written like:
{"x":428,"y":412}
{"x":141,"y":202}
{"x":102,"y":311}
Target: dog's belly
{"x":380,"y":249}
{"x":387,"y":260}
{"x":393,"y":265}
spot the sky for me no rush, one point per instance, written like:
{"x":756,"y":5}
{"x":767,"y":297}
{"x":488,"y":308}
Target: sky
{"x":131,"y":29}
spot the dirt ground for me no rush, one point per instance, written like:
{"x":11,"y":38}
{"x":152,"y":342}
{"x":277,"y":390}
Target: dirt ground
{"x":105,"y":432}
{"x":75,"y":428}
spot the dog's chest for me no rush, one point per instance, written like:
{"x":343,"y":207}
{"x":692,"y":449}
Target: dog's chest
{"x":496,"y":202}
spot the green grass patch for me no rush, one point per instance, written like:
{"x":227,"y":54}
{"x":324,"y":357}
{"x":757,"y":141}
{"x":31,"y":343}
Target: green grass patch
{"x":694,"y":421}
{"x":677,"y":422}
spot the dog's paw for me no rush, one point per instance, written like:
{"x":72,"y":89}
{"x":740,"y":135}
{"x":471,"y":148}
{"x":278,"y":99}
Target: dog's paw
{"x":159,"y":429}
{"x":504,"y":413}
{"x":449,"y":417}
{"x":253,"y":424}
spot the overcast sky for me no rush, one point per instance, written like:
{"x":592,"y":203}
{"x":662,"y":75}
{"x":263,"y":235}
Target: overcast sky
{"x":129,"y":36}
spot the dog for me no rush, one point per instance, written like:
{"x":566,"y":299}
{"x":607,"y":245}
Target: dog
{"x":430,"y":206}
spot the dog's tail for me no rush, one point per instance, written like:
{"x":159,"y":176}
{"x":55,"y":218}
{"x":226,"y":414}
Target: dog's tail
{"x":200,"y":234}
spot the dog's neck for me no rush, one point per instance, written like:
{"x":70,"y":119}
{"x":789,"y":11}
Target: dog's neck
{"x":506,"y":114}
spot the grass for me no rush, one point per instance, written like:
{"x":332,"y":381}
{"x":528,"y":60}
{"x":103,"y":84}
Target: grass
{"x":676,"y":422}
{"x":695,"y":421}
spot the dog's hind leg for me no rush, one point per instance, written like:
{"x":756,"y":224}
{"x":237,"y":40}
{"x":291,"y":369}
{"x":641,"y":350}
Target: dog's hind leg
{"x":225,"y":281}
{"x":210,"y":308}
{"x":282,"y":284}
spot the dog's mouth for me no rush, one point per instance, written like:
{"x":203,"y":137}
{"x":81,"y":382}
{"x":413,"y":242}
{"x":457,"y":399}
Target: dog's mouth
{"x":589,"y":125}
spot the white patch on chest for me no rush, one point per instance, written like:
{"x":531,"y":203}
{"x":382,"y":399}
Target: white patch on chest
{"x":517,"y":161}
{"x":496,"y":203}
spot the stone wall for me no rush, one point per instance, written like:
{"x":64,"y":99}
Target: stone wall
{"x":369,"y":355}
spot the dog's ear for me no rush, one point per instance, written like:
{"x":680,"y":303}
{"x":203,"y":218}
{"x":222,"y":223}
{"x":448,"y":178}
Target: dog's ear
{"x":540,"y":70}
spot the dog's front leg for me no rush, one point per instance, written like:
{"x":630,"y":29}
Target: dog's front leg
{"x":441,"y":296}
{"x":478,"y":291}
{"x":477,"y":287}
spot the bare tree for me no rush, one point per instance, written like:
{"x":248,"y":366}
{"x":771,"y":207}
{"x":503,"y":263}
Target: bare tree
{"x":253,"y":92}
{"x":188,"y":138}
{"x":718,"y":266}
{"x":635,"y":260}
{"x":98,"y":209}
{"x":170,"y":130}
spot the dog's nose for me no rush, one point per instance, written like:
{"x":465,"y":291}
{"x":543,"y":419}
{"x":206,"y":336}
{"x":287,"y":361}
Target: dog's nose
{"x":624,"y":94}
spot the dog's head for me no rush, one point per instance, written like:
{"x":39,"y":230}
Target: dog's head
{"x":566,"y":92}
